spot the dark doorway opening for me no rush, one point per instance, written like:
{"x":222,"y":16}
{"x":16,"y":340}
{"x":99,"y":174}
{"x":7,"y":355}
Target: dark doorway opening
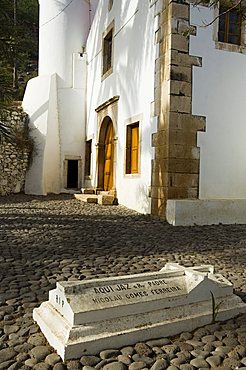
{"x":72,"y":174}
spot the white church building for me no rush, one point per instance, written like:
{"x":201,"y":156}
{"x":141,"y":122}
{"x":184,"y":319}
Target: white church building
{"x":146,"y":100}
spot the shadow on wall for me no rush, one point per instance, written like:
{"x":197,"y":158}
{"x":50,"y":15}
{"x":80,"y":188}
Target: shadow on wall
{"x":35,"y":130}
{"x":142,"y":195}
{"x":38,"y":135}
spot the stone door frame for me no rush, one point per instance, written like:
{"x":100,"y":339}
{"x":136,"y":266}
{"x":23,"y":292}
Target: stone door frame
{"x":107,"y":109}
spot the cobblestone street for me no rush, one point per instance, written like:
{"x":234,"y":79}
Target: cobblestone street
{"x":47,"y":239}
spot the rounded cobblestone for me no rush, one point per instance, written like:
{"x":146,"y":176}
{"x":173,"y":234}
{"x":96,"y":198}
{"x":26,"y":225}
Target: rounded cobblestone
{"x":47,"y":239}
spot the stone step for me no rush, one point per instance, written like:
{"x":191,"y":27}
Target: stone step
{"x":87,"y":191}
{"x":104,"y":200}
{"x":103,"y":192}
{"x":87,"y":198}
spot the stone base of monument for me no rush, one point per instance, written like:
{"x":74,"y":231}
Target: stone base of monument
{"x":86,"y":317}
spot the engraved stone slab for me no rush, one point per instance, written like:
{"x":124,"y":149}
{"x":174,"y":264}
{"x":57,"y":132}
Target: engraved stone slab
{"x":85,"y":317}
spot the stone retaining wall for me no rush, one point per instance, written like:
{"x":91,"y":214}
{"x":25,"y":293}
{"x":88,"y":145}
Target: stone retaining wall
{"x":14,"y":157}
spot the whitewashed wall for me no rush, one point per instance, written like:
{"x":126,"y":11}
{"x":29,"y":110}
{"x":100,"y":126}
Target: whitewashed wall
{"x":133,"y":80}
{"x":40,"y":103}
{"x":219,"y":93}
{"x":56,"y":100}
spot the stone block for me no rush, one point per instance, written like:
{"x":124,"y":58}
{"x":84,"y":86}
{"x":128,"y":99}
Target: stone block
{"x":106,"y":200}
{"x":184,"y":59}
{"x":88,"y":191}
{"x":186,"y":121}
{"x":181,"y":73}
{"x":87,"y":198}
{"x":184,"y":26}
{"x":174,"y":25}
{"x":164,"y":119}
{"x":164,"y":17}
{"x":179,"y":42}
{"x":157,"y":92}
{"x":184,"y":180}
{"x":182,"y":88}
{"x":184,"y":151}
{"x":159,"y":178}
{"x":92,"y":200}
{"x":180,"y":165}
{"x":182,"y":193}
{"x":180,"y":104}
{"x":180,"y":11}
{"x":157,"y":107}
{"x":206,"y":212}
{"x":160,"y":138}
{"x":182,"y":137}
{"x":157,"y":79}
{"x":159,"y":192}
{"x":196,"y":61}
{"x":85,"y":317}
{"x":162,"y":151}
{"x":158,"y":207}
{"x":160,"y":165}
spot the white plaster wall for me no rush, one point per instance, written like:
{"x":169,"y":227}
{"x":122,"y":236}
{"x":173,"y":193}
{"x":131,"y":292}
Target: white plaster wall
{"x":52,"y":163}
{"x":64,"y":27}
{"x":57,"y":105}
{"x":40,"y":103}
{"x":133,"y":80}
{"x":219,"y":94}
{"x":72,"y":113}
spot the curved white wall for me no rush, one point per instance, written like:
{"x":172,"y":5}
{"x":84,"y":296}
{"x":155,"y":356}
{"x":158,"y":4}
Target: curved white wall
{"x":219,"y":93}
{"x":63,"y":30}
{"x":40,"y":103}
{"x":133,"y":80}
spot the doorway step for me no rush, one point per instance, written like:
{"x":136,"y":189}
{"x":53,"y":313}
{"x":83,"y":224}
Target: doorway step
{"x":87,"y":198}
{"x":103,"y":198}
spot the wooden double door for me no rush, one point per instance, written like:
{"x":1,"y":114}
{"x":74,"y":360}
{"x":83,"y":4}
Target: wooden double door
{"x":106,"y":156}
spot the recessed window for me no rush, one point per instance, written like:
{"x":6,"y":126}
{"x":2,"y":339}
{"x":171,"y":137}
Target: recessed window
{"x":132,"y":148}
{"x":88,"y":144}
{"x":107,"y":51}
{"x":230,"y":24}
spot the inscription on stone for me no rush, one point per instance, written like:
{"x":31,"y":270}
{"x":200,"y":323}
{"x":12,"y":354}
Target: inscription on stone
{"x":104,"y":296}
{"x":88,"y":316}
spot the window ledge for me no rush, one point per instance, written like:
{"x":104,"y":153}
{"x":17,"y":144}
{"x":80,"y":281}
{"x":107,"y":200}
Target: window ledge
{"x":230,"y":47}
{"x":108,"y":73}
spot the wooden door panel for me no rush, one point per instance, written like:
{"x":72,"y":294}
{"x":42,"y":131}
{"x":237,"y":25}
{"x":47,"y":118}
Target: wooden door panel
{"x":135,"y":149}
{"x":108,"y":158}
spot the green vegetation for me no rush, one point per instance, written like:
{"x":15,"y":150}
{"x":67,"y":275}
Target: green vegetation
{"x":18,"y":52}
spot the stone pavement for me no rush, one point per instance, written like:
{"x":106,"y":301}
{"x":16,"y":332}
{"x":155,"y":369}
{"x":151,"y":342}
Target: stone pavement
{"x":45,"y":239}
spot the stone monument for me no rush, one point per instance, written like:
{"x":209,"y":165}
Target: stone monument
{"x":86,"y":317}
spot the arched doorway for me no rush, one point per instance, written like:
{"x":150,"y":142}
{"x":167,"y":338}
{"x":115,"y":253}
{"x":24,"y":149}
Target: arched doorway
{"x":106,"y":155}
